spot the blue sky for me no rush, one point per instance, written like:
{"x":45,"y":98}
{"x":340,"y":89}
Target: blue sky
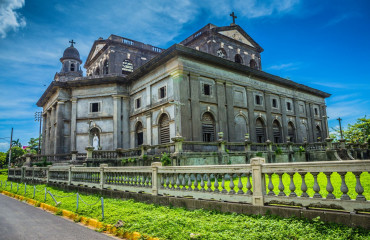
{"x":323,"y":44}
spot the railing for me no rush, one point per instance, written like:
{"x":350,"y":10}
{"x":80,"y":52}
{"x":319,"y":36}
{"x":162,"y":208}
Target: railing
{"x":235,"y":147}
{"x":100,"y":154}
{"x":334,"y":185}
{"x":199,"y":146}
{"x":162,"y":148}
{"x":259,"y":147}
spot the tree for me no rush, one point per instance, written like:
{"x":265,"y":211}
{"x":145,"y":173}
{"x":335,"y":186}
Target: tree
{"x":2,"y":159}
{"x":16,"y":143}
{"x":358,"y":132}
{"x":16,"y":152}
{"x":33,"y":145}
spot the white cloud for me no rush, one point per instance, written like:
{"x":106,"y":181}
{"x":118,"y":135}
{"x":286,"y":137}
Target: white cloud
{"x":4,"y":146}
{"x":9,"y":18}
{"x":284,"y":66}
{"x":256,"y":9}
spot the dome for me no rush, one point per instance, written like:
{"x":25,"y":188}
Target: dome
{"x":71,"y":53}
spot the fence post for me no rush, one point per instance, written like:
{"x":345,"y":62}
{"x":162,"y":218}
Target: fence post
{"x":47,"y":174}
{"x":102,"y":166}
{"x":155,"y":180}
{"x":89,"y":152}
{"x":259,"y":186}
{"x":247,"y":143}
{"x":70,"y":174}
{"x":23,"y":171}
{"x":221,"y":142}
{"x":178,"y":143}
{"x":329,"y":145}
{"x":33,"y":173}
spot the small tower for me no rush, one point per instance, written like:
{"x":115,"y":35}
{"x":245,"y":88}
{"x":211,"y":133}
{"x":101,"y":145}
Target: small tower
{"x":71,"y":64}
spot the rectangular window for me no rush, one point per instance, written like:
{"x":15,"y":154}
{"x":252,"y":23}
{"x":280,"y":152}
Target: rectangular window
{"x":162,"y":92}
{"x":258,"y":100}
{"x":289,"y":106}
{"x":138,"y":103}
{"x":274,"y":103}
{"x":207,"y":89}
{"x":316,"y":112}
{"x":94,"y":107}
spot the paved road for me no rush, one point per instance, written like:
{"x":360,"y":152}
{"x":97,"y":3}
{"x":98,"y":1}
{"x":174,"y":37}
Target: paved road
{"x":20,"y":221}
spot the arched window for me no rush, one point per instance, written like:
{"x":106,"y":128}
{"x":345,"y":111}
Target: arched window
{"x":221,"y":53}
{"x":127,"y":66}
{"x":260,"y":130}
{"x":241,"y":128}
{"x":252,"y":63}
{"x":139,"y":134}
{"x":106,"y":67}
{"x":97,"y":71}
{"x":72,"y":67}
{"x":164,"y":129}
{"x":208,"y":127}
{"x":276,"y":129}
{"x":291,"y":132}
{"x":318,"y":133}
{"x":238,"y":59}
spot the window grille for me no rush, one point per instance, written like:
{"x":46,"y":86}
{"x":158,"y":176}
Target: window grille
{"x":164,"y":129}
{"x":208,"y":128}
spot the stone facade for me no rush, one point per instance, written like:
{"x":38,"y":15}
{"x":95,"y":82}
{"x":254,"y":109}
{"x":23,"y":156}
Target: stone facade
{"x":212,"y":82}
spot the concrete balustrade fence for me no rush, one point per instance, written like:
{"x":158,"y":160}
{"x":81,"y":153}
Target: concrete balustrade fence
{"x":245,"y":183}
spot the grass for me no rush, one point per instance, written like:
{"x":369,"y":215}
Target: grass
{"x":178,"y":223}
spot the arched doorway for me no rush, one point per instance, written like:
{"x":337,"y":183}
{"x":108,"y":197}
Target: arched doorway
{"x":208,"y":127}
{"x":241,"y":128}
{"x":291,"y":132}
{"x":139,"y":134}
{"x":238,"y":59}
{"x":276,"y":129}
{"x":253,"y":63}
{"x":260,"y":130}
{"x":164,"y":129}
{"x":318,"y":134}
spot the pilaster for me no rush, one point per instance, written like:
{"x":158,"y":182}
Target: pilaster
{"x":230,"y":111}
{"x":58,"y":146}
{"x":270,"y":134}
{"x":116,"y":121}
{"x":73,"y":124}
{"x":252,"y":122}
{"x":284,"y":122}
{"x":195,"y":108}
{"x":297,"y":123}
{"x":221,"y":105}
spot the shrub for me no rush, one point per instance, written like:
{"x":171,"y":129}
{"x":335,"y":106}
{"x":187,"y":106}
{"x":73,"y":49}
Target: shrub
{"x":166,"y":159}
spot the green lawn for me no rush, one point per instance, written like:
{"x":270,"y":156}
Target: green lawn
{"x":171,"y":223}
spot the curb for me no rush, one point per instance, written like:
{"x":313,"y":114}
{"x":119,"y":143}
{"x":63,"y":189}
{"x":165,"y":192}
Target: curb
{"x":90,"y":222}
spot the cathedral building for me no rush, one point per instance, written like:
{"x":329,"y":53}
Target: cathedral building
{"x":134,"y":93}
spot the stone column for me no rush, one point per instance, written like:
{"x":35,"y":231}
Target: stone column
{"x":297,"y":123}
{"x":195,"y":109}
{"x":148,"y":128}
{"x":125,"y":123}
{"x":324,"y":122}
{"x":269,"y":117}
{"x":284,"y":124}
{"x":221,"y":102}
{"x":155,"y":178}
{"x":43,"y":133}
{"x":310,"y":136}
{"x":47,"y":133}
{"x":259,"y":186}
{"x":59,"y":133}
{"x":73,"y":124}
{"x":230,"y":112}
{"x":116,"y":121}
{"x":52,"y":130}
{"x":252,"y":122}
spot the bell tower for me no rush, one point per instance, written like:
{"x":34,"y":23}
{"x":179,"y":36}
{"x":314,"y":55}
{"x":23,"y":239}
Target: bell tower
{"x":71,"y":64}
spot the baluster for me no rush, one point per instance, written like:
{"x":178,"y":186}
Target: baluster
{"x":359,"y":189}
{"x":292,"y":186}
{"x":240,"y":184}
{"x":304,"y":186}
{"x":189,"y":183}
{"x":271,"y":185}
{"x":223,"y":184}
{"x":178,"y":182}
{"x":329,"y":186}
{"x":167,"y":182}
{"x":196,"y":183}
{"x":124,"y":179}
{"x":249,"y":185}
{"x":173,"y":177}
{"x":281,"y":185}
{"x":216,"y":184}
{"x":231,"y":185}
{"x":202,"y":189}
{"x":209,"y":183}
{"x":183,"y":183}
{"x":162,"y":181}
{"x":316,"y":186}
{"x":343,"y":186}
{"x":147,"y":180}
{"x":142,"y":180}
{"x":150,"y":179}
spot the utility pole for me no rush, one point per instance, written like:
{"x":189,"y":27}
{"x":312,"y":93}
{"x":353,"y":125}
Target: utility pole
{"x":10,"y":149}
{"x":340,"y":128}
{"x":38,"y":118}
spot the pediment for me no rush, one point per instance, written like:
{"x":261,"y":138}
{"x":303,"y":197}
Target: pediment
{"x":97,"y":49}
{"x":238,"y":36}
